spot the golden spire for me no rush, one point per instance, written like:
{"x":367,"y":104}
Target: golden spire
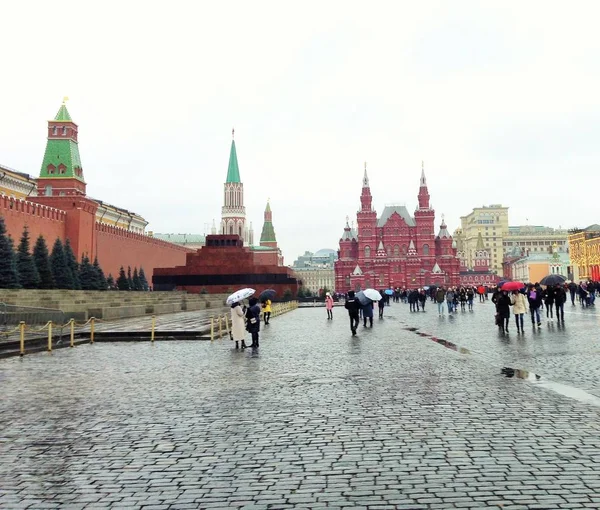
{"x":65,"y":99}
{"x":232,"y":133}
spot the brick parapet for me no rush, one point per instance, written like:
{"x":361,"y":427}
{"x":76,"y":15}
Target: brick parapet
{"x":31,"y":208}
{"x":121,"y":232}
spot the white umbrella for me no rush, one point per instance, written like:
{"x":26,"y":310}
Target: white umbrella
{"x":239,"y":295}
{"x":372,"y":294}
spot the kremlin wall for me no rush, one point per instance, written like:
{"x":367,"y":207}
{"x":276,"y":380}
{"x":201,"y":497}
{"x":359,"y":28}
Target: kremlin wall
{"x":56,"y":205}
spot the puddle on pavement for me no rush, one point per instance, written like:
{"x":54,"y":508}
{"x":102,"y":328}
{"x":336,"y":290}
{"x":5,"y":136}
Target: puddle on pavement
{"x":562,"y":389}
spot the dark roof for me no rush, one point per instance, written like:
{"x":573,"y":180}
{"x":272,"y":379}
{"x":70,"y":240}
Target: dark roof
{"x":402,"y":212}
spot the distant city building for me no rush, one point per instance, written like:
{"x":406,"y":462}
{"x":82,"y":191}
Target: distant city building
{"x":479,"y":273}
{"x":316,"y":270}
{"x":323,"y":258}
{"x":396,"y":249}
{"x":584,"y":250}
{"x":535,"y":238}
{"x":492,"y":222}
{"x":194,"y":241}
{"x":533,"y":267}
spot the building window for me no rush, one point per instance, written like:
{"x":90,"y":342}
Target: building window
{"x":367,"y":252}
{"x":64,"y":130}
{"x":396,"y":250}
{"x":404,"y":249}
{"x":425,"y":249}
{"x":54,"y":130}
{"x":48,"y":191}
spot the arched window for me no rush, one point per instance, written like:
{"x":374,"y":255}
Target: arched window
{"x":404,"y":249}
{"x":54,"y":130}
{"x":367,"y":252}
{"x":48,"y":191}
{"x":396,"y":250}
{"x":64,"y":130}
{"x":231,"y":228}
{"x":240,"y":231}
{"x":425,"y":249}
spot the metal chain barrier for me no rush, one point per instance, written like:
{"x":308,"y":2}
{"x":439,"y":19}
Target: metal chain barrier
{"x":220,"y":323}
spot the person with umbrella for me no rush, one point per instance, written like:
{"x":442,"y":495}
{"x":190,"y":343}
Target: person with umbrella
{"x":519,"y":303}
{"x":503,"y":304}
{"x":367,"y":311}
{"x":253,"y":321}
{"x":238,"y":330}
{"x":352,"y":305}
{"x":549,"y":303}
{"x":560,"y":297}
{"x":265,"y":299}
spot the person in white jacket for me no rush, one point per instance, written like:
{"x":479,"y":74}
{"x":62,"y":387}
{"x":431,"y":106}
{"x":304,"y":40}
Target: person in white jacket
{"x":519,"y":302}
{"x":238,"y":325}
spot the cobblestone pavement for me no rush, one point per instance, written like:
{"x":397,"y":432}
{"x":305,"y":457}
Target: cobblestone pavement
{"x":568,"y":354}
{"x":314,"y":419}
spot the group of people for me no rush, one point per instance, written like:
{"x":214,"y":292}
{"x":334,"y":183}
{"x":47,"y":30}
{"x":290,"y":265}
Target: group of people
{"x":534,"y":297}
{"x":247,"y":319}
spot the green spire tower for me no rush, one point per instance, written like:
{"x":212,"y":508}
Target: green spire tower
{"x":233,"y":171}
{"x":61,"y":172}
{"x":267,"y":237}
{"x":233,"y":212}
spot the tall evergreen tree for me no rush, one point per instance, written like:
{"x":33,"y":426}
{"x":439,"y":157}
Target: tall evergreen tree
{"x":143,"y":279}
{"x":122,"y":281}
{"x":42,"y":263}
{"x":61,"y":272}
{"x":73,"y":265}
{"x":101,"y":283}
{"x":28,"y":274}
{"x":129,"y":278}
{"x":87,"y":274}
{"x":9,"y":278}
{"x":110,"y":282}
{"x":137,"y":283}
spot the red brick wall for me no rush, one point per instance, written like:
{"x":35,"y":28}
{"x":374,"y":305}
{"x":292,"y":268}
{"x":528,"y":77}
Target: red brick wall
{"x":40,"y":219}
{"x":117,"y":247}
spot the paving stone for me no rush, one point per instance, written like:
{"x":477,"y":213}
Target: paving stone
{"x":316,"y":419}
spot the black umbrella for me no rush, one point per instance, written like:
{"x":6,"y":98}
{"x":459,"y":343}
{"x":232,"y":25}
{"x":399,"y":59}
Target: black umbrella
{"x":267,"y":294}
{"x":553,"y":279}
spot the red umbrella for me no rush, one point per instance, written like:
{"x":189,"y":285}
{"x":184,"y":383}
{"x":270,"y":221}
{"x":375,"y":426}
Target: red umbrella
{"x":513,"y":286}
{"x":481,"y":289}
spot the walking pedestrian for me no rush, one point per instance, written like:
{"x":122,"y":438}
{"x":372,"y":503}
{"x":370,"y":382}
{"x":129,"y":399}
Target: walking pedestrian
{"x":573,"y":292}
{"x":422,"y":297}
{"x":382,"y":303}
{"x":367,"y":311}
{"x":534,"y":296}
{"x":440,"y":296}
{"x":329,"y":306}
{"x":450,"y":300}
{"x":266,"y":306}
{"x":519,"y":302}
{"x":353,"y":306}
{"x":253,"y":321}
{"x":503,"y":304}
{"x":549,"y":303}
{"x":238,"y":330}
{"x":560,"y":297}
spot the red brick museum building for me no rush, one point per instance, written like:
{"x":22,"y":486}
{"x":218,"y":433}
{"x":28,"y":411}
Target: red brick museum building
{"x":395,"y":249}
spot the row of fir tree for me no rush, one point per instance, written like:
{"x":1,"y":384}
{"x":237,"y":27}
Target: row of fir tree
{"x":22,"y":269}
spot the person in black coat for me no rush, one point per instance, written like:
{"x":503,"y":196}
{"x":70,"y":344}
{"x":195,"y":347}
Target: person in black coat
{"x":534,"y":296}
{"x":353,"y":306}
{"x":253,"y":320}
{"x":549,"y":303}
{"x":560,"y":297}
{"x":503,"y":305}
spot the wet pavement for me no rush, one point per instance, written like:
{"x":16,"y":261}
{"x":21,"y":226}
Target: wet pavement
{"x":391,"y":418}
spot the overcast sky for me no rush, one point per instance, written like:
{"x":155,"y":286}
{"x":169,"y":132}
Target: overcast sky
{"x":500,"y":99}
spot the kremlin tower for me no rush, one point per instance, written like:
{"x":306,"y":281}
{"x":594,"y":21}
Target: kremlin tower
{"x":233,"y":212}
